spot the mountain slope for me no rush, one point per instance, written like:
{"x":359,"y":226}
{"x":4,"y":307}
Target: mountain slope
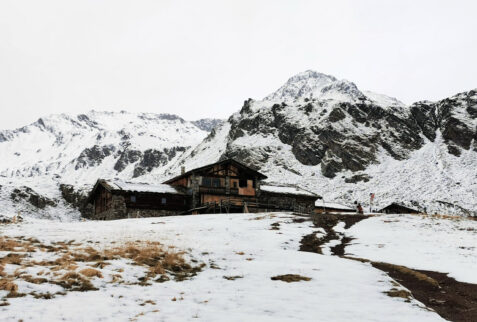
{"x":317,"y":131}
{"x":328,"y":136}
{"x":74,"y":150}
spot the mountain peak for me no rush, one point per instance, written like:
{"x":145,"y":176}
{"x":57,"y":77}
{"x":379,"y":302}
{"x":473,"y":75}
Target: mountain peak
{"x":312,"y":84}
{"x":311,"y":74}
{"x":306,"y":84}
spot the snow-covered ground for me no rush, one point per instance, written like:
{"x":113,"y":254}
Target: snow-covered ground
{"x":241,"y":245}
{"x":420,"y":242}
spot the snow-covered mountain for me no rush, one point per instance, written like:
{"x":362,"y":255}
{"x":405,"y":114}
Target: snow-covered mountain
{"x":316,"y":131}
{"x":49,"y":160}
{"x":329,"y":136}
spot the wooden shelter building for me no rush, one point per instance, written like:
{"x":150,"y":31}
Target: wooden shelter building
{"x":224,"y":186}
{"x":396,"y":208}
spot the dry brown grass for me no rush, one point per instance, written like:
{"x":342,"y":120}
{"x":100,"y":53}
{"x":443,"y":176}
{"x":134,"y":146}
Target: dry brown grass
{"x":8,"y":285}
{"x":91,"y":272}
{"x":148,"y":302}
{"x":159,"y":260}
{"x":45,"y":296}
{"x":116,"y":278}
{"x":153,"y":255}
{"x":100,"y":264}
{"x":399,"y":293}
{"x":8,"y":244}
{"x":290,"y":278}
{"x":12,"y":258}
{"x":73,"y":281}
{"x":404,"y":270}
{"x":34,"y":280}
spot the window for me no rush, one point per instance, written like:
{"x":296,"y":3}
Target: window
{"x":207,"y":182}
{"x":216,"y":182}
{"x":133,"y":198}
{"x":235,"y":184}
{"x":163,"y":201}
{"x":243,"y":183}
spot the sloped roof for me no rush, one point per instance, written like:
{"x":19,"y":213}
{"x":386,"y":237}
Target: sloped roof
{"x":232,"y":161}
{"x":396,"y":204}
{"x":289,"y":190}
{"x":122,"y":186}
{"x":144,"y":187}
{"x":332,"y":205}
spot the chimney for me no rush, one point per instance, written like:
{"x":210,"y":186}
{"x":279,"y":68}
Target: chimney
{"x":182,"y":170}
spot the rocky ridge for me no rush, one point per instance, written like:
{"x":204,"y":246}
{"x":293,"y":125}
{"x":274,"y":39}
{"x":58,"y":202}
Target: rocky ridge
{"x":329,"y":136}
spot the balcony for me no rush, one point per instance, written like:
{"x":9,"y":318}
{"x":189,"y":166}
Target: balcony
{"x":218,"y":190}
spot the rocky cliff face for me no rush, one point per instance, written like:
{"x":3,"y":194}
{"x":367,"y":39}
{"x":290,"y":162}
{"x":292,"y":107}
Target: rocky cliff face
{"x":208,"y":124}
{"x":328,"y":135}
{"x":455,"y":117}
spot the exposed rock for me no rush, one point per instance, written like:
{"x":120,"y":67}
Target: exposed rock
{"x":336,"y":115}
{"x":357,"y":178}
{"x":208,"y":124}
{"x":153,"y":158}
{"x":127,"y":157}
{"x":93,"y":156}
{"x":28,"y":194}
{"x":77,"y":199}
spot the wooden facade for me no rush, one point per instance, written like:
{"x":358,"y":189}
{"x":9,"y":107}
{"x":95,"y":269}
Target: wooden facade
{"x":226,"y":183}
{"x":225,"y":186}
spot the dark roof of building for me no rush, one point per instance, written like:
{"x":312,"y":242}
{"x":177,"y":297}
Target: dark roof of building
{"x":288,"y":190}
{"x":231,"y":161}
{"x":332,"y":205}
{"x":398,"y":205}
{"x":122,"y":186}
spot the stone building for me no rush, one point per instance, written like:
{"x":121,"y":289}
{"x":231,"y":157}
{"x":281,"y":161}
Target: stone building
{"x":286,"y":198}
{"x":117,"y":199}
{"x":224,"y":186}
{"x":332,"y":207}
{"x":396,"y":208}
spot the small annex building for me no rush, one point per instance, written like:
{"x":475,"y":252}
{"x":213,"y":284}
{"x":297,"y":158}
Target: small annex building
{"x":290,"y":198}
{"x":332,"y":207}
{"x":396,"y":208}
{"x":225,"y":186}
{"x":117,"y":199}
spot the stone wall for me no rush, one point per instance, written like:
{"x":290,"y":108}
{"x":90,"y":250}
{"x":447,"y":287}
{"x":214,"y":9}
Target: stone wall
{"x":286,"y":202}
{"x":120,"y":211}
{"x":143,"y":213}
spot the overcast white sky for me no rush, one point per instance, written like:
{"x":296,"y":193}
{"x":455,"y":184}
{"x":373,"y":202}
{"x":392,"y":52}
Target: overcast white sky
{"x":204,"y":58}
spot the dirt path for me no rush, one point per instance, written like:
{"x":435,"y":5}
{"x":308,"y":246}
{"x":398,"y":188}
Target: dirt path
{"x":452,"y":300}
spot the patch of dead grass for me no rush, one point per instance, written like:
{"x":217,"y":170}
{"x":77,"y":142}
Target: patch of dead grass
{"x":12,"y":258}
{"x":73,"y":281}
{"x":8,"y":285}
{"x":290,"y":278}
{"x":405,"y":270}
{"x":394,"y":292}
{"x":159,"y":260}
{"x":232,"y":278}
{"x":91,"y":272}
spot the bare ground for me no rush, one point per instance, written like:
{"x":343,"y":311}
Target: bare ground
{"x":451,"y":299}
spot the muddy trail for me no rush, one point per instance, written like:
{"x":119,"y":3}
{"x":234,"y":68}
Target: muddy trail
{"x":452,"y":300}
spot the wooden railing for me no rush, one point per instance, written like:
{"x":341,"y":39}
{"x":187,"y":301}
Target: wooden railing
{"x":218,"y":190}
{"x":225,"y":205}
